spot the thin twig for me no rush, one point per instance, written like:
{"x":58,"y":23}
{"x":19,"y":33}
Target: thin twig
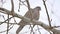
{"x":5,"y":20}
{"x":8,"y":24}
{"x":19,"y":6}
{"x":55,"y":26}
{"x":38,"y":30}
{"x":8,"y":29}
{"x":24,"y":4}
{"x":12,"y":8}
{"x":47,"y":13}
{"x":28,"y":4}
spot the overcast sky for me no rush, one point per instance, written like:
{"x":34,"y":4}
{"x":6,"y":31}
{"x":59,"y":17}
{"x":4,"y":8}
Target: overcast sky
{"x":53,"y":9}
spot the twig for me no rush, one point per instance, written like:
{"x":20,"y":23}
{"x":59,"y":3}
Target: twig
{"x":24,"y":4}
{"x":2,"y":16}
{"x":8,"y":24}
{"x":38,"y":30}
{"x":28,"y":4}
{"x":47,"y":13}
{"x":12,"y":8}
{"x":47,"y":16}
{"x":55,"y":26}
{"x":19,"y":6}
{"x":5,"y":20}
{"x":6,"y":30}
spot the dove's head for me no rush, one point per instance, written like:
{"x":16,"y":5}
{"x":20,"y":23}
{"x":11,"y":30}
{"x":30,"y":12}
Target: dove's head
{"x":38,"y":8}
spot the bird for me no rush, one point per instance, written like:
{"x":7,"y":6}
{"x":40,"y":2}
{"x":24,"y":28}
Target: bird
{"x":35,"y":15}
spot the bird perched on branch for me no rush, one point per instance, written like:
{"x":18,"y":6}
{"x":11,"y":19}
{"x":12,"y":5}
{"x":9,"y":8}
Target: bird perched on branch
{"x":34,"y":14}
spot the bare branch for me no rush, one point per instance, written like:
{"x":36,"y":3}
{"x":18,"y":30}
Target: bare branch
{"x":6,"y":30}
{"x":33,"y":21}
{"x":8,"y":24}
{"x":55,"y":26}
{"x":5,"y":20}
{"x":2,"y":10}
{"x":28,"y":4}
{"x":12,"y":8}
{"x":47,"y":13}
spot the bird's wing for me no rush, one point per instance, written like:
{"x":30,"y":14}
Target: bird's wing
{"x":28,"y":15}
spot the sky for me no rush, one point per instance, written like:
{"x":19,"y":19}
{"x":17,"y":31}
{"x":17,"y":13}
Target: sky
{"x":53,"y":7}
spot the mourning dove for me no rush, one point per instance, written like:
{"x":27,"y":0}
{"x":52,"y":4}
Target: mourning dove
{"x":35,"y":15}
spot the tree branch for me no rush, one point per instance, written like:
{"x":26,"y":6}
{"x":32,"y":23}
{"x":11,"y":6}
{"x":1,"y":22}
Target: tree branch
{"x":47,"y":13}
{"x":29,"y":21}
{"x":12,"y":8}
